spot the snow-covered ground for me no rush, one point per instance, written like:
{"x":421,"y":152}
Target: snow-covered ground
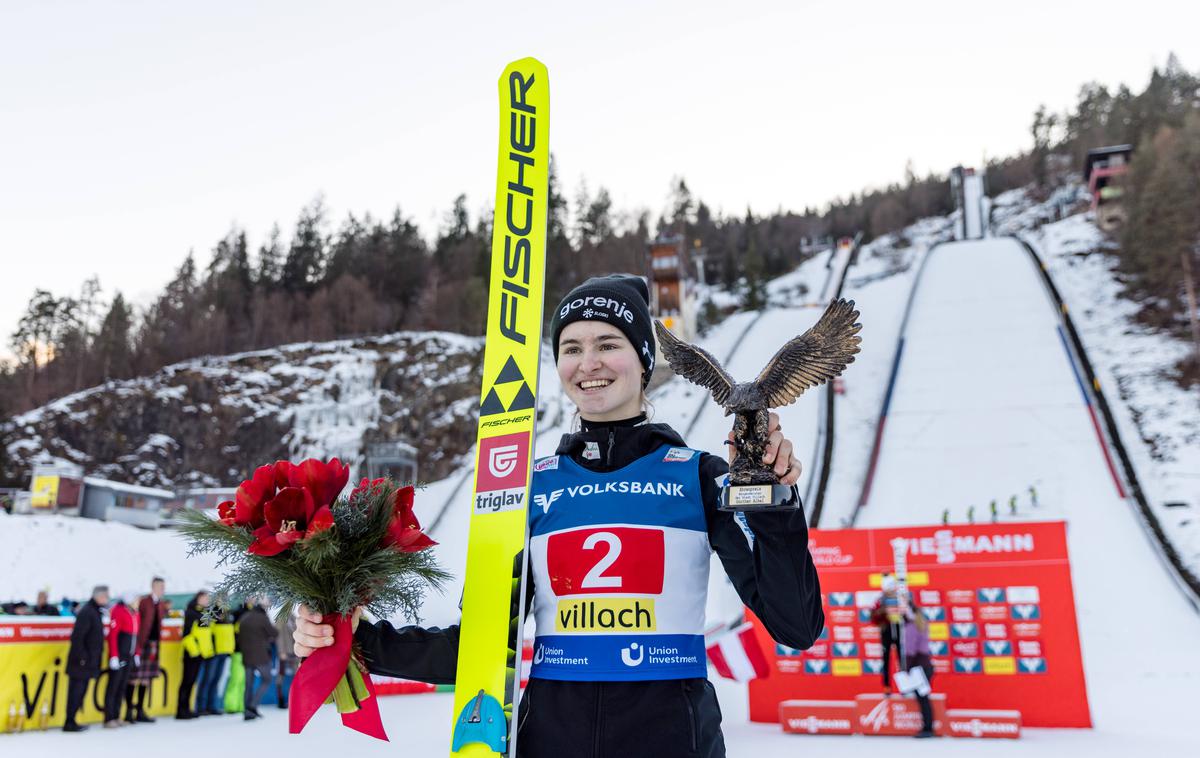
{"x":1159,"y":421}
{"x":879,"y":285}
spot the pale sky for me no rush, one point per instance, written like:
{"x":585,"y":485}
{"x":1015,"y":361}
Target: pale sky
{"x":131,"y":132}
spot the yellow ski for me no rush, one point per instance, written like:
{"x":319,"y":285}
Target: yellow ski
{"x":493,"y":597}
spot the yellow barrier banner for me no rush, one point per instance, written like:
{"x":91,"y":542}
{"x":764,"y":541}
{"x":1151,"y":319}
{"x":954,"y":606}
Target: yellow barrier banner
{"x":33,"y":680}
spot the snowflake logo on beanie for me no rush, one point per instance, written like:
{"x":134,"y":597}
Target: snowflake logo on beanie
{"x":649,"y":355}
{"x":588,"y":313}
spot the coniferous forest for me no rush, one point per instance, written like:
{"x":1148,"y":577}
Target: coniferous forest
{"x":328,"y":278}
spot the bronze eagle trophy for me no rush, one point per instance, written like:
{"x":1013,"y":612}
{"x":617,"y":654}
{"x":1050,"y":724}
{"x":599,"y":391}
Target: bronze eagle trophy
{"x":812,"y":358}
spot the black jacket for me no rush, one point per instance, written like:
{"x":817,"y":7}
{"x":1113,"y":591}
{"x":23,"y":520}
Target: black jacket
{"x":87,"y":642}
{"x":659,"y":719}
{"x":255,"y":635}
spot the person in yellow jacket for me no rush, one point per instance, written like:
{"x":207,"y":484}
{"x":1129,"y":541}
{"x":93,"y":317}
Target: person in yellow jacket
{"x":197,"y":646}
{"x":210,"y":687}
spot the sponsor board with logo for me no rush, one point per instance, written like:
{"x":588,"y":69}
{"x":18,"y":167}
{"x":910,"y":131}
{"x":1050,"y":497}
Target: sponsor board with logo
{"x":841,"y":616}
{"x":997,"y":647}
{"x":818,"y":667}
{"x":847,"y":667}
{"x":964,"y":648}
{"x":879,"y":715}
{"x":1001,"y":611}
{"x":818,"y":650}
{"x":791,"y":660}
{"x":1029,"y":648}
{"x":961,"y":722}
{"x":927,"y":597}
{"x":874,"y":715}
{"x":993,"y":612}
{"x":841,"y":599}
{"x":817,"y":716}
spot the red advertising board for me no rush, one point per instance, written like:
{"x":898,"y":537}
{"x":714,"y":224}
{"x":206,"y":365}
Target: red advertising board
{"x":1003,"y":631}
{"x":896,"y":716}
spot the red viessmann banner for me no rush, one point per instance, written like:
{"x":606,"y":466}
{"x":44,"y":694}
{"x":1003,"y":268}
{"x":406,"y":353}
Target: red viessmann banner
{"x":1003,"y":632}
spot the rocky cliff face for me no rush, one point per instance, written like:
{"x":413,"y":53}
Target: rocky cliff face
{"x":210,"y":421}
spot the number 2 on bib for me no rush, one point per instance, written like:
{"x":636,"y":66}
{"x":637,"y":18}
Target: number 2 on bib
{"x":623,"y":559}
{"x":595,"y":577}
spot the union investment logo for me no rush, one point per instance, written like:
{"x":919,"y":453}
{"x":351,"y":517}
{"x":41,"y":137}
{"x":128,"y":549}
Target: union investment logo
{"x":633,"y":655}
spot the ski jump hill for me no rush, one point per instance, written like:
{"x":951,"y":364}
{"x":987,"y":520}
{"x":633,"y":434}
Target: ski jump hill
{"x":987,"y":398}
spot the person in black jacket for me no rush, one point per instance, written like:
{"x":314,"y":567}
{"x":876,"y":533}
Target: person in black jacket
{"x":255,"y":635}
{"x":193,"y":652}
{"x":604,"y":351}
{"x":43,"y":607}
{"x":83,"y":656}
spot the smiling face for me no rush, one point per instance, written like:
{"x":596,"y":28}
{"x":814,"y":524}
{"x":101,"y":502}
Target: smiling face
{"x":600,"y":371}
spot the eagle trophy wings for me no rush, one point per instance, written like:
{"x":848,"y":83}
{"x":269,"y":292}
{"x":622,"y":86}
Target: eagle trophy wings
{"x":812,"y":358}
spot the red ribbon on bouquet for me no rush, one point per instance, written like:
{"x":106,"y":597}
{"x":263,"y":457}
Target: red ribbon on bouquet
{"x":320,"y":673}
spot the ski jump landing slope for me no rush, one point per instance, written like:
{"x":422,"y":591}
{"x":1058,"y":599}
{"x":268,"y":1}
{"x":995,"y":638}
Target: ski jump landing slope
{"x":986,"y":402}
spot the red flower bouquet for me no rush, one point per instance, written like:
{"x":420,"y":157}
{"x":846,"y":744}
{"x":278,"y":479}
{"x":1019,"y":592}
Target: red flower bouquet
{"x":290,"y":536}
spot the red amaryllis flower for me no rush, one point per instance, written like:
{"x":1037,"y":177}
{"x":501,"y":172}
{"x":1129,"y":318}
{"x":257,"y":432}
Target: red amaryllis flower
{"x":282,"y":470}
{"x":405,"y":533}
{"x":246,"y":509}
{"x":291,"y":516}
{"x":325,"y":481}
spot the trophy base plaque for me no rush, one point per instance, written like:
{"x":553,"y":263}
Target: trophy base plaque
{"x":759,"y":497}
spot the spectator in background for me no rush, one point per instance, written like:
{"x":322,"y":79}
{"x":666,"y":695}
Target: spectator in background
{"x":122,"y":658}
{"x":916,"y":654}
{"x":210,"y":695}
{"x":43,"y":606}
{"x":16,"y":608}
{"x":83,"y":656}
{"x":888,"y":615}
{"x":152,"y":610}
{"x":255,"y":635}
{"x":197,"y":647}
{"x":285,"y":627}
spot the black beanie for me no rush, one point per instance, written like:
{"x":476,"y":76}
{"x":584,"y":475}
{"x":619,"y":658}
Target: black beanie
{"x":618,"y":299}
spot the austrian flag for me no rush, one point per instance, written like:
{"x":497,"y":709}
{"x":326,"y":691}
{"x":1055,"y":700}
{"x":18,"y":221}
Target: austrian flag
{"x":735,"y":654}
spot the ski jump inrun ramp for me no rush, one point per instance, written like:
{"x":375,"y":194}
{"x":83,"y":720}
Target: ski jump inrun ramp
{"x":986,"y":400}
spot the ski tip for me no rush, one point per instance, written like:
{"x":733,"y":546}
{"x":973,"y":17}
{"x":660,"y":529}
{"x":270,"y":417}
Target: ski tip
{"x":527,"y":65}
